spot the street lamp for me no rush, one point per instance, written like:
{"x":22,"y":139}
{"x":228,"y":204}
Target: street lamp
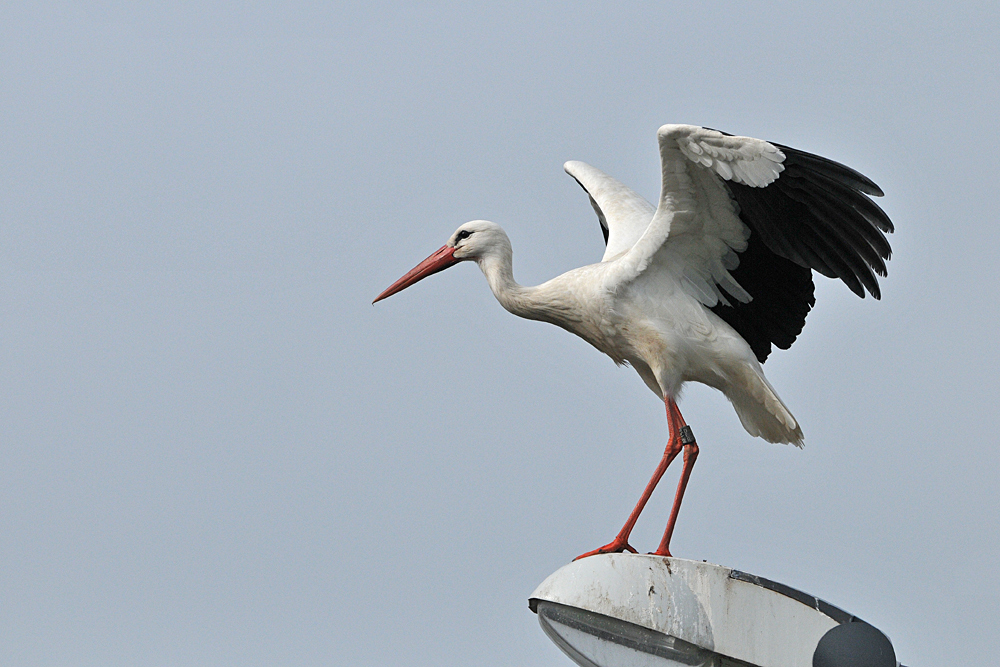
{"x":627,"y":610}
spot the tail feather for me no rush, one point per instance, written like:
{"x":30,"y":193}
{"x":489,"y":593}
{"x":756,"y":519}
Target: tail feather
{"x":760,"y":410}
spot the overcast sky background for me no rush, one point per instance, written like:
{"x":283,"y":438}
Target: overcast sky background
{"x":217,"y":452}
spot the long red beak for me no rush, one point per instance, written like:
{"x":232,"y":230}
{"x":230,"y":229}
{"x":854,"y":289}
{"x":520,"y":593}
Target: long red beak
{"x":439,"y":261}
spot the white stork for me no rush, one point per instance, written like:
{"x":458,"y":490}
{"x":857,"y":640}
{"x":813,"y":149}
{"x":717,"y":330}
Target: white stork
{"x":700,"y":287}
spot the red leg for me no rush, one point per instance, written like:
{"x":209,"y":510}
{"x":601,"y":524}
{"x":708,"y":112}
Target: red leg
{"x":690,"y":456}
{"x":674,"y":446}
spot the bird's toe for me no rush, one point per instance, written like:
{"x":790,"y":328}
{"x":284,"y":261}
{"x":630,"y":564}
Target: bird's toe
{"x":613,"y":547}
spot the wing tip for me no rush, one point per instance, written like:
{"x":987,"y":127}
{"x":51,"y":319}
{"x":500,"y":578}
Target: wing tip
{"x":581,"y":171}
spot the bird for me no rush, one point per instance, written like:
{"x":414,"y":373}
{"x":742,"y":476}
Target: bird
{"x":702,"y":286}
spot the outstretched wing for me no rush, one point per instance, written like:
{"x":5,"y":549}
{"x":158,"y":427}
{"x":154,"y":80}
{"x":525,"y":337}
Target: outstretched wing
{"x":623,"y":214}
{"x":742,"y":222}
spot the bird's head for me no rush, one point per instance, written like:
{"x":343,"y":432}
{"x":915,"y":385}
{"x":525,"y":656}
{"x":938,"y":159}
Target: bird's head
{"x":472,"y":241}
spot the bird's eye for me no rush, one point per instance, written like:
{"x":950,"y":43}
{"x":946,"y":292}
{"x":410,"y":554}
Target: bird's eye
{"x":464,"y":234}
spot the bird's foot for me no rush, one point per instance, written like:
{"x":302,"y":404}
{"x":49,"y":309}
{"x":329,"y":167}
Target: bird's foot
{"x":615,"y":546}
{"x":661,"y":552}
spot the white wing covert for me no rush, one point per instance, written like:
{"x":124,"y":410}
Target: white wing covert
{"x":623,"y":214}
{"x":696,"y":231}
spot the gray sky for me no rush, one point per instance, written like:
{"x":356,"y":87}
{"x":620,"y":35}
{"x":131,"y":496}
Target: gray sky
{"x":217,"y":452}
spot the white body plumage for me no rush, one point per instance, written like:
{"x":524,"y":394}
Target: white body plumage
{"x":650,"y":323}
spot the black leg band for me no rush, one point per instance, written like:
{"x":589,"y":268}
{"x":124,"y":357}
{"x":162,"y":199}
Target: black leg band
{"x":687,"y":435}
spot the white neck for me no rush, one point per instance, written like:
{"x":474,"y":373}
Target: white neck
{"x":498,"y":267}
{"x":533,"y":303}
